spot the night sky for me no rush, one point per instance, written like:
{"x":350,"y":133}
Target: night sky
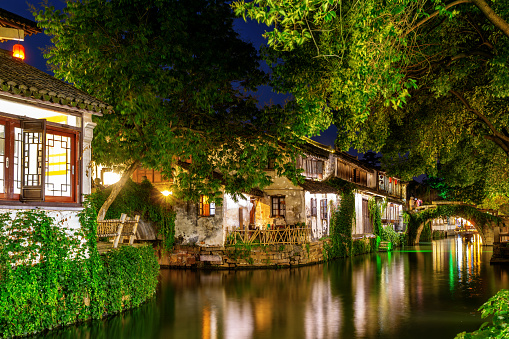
{"x":249,"y":31}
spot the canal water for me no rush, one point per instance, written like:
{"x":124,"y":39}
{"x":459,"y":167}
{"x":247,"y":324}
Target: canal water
{"x":428,"y":291}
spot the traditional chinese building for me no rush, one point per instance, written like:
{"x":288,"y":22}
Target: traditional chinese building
{"x":45,"y":133}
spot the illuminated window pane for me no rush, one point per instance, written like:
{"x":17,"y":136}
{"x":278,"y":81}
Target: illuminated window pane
{"x":58,"y":165}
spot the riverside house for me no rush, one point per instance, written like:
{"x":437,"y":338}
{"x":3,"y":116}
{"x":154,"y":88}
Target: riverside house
{"x":284,"y":212}
{"x":45,"y":133}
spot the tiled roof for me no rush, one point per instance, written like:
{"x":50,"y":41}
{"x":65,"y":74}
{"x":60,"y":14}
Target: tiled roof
{"x":316,"y":149}
{"x":313,"y":186}
{"x":353,"y":160}
{"x":19,"y":78}
{"x":11,"y":20}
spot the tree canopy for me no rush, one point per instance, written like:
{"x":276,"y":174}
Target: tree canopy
{"x":425,"y":82}
{"x":179,"y":79}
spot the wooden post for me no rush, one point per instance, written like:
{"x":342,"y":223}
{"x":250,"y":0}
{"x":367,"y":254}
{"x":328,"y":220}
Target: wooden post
{"x":119,"y":229}
{"x":135,"y":228}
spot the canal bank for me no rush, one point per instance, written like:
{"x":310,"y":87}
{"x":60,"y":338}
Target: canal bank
{"x":254,"y":256}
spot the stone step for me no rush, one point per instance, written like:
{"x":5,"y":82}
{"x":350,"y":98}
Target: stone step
{"x":385,"y":246}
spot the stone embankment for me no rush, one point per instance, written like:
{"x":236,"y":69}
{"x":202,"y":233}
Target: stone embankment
{"x":239,"y":257}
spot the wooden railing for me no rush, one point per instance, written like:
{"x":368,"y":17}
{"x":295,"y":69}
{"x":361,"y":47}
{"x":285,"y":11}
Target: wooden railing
{"x":118,"y":228}
{"x":286,"y":235}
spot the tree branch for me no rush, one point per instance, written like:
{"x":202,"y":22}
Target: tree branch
{"x":500,"y":143}
{"x":499,"y":138}
{"x":117,"y":187}
{"x":431,"y":16}
{"x":493,"y":17}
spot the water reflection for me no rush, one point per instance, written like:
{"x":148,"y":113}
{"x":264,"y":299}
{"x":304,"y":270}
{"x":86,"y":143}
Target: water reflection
{"x":431,"y":290}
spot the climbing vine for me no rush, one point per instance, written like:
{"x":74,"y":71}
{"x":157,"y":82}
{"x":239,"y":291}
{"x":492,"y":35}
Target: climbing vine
{"x":427,"y":233}
{"x":53,"y":275}
{"x":376,"y":215}
{"x":342,"y":218}
{"x":383,"y":233}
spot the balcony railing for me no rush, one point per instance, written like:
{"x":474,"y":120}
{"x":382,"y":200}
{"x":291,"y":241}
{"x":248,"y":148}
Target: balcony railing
{"x":276,"y":236}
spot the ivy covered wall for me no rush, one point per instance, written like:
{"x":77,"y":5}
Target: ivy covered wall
{"x":52,"y":276}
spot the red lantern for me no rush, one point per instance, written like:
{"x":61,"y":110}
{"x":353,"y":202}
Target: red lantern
{"x":18,"y":51}
{"x":395,"y":181}
{"x":390,"y":180}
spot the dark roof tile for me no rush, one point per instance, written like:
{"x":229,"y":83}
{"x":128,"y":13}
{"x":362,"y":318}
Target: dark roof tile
{"x":19,"y":78}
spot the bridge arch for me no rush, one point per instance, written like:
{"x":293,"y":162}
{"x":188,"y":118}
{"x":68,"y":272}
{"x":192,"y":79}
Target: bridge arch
{"x":483,"y":222}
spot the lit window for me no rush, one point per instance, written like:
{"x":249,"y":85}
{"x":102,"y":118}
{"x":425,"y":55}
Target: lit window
{"x":278,"y":206}
{"x":37,"y":162}
{"x":207,"y":209}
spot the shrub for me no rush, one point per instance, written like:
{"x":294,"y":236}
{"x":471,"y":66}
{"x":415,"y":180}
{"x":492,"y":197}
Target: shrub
{"x":498,"y":307}
{"x":53,"y":276}
{"x":140,"y":199}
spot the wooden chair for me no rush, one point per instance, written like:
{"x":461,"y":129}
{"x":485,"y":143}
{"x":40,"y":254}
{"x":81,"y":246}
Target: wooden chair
{"x":118,"y":228}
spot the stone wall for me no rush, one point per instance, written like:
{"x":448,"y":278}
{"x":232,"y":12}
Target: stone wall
{"x":241,"y":257}
{"x":190,"y":228}
{"x":294,"y":198}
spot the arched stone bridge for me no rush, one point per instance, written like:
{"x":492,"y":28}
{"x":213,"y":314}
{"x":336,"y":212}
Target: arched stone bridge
{"x":486,"y":224}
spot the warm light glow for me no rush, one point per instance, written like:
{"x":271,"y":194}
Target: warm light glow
{"x":166,"y":193}
{"x":110,"y":178}
{"x":18,"y":51}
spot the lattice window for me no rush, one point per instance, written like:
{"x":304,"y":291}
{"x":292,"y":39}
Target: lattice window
{"x":38,"y":166}
{"x":32,"y":160}
{"x":59,"y":167}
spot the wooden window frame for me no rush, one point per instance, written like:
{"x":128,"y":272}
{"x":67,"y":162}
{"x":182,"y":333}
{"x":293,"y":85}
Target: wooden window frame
{"x":35,"y":193}
{"x":278,"y":206}
{"x":207,"y":209}
{"x":313,"y":207}
{"x":323,"y":209}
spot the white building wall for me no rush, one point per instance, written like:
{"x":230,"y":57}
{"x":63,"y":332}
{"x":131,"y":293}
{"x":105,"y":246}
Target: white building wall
{"x":359,"y":229}
{"x":66,"y":218}
{"x":232,"y":212}
{"x":319,"y":228}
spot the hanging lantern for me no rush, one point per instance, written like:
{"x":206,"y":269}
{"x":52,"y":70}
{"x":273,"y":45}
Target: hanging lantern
{"x":390,"y":180}
{"x":395,"y":181}
{"x":18,"y":51}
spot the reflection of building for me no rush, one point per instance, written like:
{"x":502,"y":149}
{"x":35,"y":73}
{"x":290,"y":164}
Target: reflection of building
{"x":323,"y":312}
{"x":45,"y":133}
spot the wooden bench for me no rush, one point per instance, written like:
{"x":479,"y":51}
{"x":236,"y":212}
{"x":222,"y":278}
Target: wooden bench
{"x":118,"y":228}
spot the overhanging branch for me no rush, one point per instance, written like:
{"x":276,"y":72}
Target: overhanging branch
{"x":431,"y":16}
{"x":499,"y":138}
{"x":493,"y":17}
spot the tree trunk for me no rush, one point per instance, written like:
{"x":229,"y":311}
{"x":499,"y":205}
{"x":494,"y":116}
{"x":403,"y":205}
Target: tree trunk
{"x":495,"y":19}
{"x":117,"y":187}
